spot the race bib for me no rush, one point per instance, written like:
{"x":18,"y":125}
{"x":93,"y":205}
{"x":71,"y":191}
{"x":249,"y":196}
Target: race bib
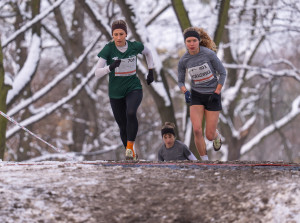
{"x":127,"y":67}
{"x":201,"y":74}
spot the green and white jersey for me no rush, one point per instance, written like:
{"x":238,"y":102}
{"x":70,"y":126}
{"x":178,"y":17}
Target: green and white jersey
{"x":123,"y":79}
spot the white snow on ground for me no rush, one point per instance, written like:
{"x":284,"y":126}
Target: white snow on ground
{"x":52,"y":191}
{"x":285,"y":205}
{"x":20,"y":189}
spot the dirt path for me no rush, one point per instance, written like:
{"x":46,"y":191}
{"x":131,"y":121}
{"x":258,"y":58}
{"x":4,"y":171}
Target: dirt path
{"x":149,"y":192}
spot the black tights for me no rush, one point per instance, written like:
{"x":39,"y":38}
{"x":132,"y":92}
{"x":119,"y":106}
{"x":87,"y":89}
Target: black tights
{"x":124,"y":110}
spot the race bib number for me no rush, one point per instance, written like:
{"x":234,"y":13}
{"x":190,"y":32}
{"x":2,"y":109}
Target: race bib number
{"x":201,"y":74}
{"x":127,"y":67}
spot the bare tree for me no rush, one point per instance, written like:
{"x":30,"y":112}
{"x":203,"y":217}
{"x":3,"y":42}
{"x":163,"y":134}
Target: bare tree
{"x":25,"y":141}
{"x":55,"y":94}
{"x":29,"y":63}
{"x":4,"y":88}
{"x":84,"y":128}
{"x":243,"y":93}
{"x":181,"y":14}
{"x":222,"y":20}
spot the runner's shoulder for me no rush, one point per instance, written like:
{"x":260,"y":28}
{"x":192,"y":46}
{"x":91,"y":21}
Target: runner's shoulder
{"x":206,"y":50}
{"x":184,"y":57}
{"x":180,"y":144}
{"x":135,"y":44}
{"x":106,"y":49}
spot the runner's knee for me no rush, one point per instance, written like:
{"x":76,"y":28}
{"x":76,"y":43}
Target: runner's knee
{"x":210,"y":135}
{"x":131,"y":116}
{"x":198,"y":132}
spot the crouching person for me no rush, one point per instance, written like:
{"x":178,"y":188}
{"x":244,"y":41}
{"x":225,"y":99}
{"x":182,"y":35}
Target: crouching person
{"x":173,"y":149}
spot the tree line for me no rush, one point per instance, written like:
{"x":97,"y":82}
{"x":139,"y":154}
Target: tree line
{"x":48,"y":55}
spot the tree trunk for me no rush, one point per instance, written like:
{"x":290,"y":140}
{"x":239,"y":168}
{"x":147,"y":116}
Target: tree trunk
{"x":85,"y":130}
{"x":181,"y":14}
{"x":25,"y":147}
{"x":234,"y":146}
{"x":81,"y":119}
{"x":3,"y":94}
{"x":235,"y":143}
{"x":222,"y":21}
{"x":235,"y":149}
{"x":84,"y":120}
{"x":21,"y":52}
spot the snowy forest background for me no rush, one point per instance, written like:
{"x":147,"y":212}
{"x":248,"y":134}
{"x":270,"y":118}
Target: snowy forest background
{"x":47,"y":60}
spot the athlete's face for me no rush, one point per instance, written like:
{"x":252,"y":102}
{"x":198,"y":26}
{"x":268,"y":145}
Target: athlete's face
{"x":169,"y":140}
{"x":119,"y":36}
{"x":192,"y":44}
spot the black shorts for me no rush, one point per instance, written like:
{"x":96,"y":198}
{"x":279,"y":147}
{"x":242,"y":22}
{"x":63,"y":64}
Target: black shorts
{"x":202,"y":99}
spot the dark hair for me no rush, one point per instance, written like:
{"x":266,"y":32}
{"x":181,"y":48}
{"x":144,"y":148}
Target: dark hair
{"x":168,"y":127}
{"x":119,"y":24}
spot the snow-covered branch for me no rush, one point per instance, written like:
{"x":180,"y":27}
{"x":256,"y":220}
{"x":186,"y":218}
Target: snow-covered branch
{"x":31,"y":23}
{"x":28,"y":70}
{"x":249,"y":123}
{"x":295,"y":111}
{"x":47,"y":111}
{"x":157,"y":12}
{"x":55,"y":81}
{"x":142,"y":31}
{"x":265,"y":72}
{"x":246,"y":106}
{"x":100,"y":21}
{"x":230,"y":94}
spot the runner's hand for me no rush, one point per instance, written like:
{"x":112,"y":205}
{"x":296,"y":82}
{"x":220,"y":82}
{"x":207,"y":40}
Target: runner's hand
{"x":213,"y":97}
{"x":187,"y":95}
{"x":150,"y":77}
{"x":114,"y":64}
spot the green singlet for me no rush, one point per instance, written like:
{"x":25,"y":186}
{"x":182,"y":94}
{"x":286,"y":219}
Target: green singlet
{"x":123,"y":79}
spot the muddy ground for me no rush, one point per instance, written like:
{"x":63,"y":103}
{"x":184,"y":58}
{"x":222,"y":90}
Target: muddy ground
{"x":149,"y":192}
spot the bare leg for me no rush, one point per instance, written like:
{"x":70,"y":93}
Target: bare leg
{"x":196,"y":114}
{"x":211,"y":118}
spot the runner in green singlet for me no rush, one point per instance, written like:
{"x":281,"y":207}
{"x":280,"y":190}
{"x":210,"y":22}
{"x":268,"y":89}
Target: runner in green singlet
{"x":119,"y":59}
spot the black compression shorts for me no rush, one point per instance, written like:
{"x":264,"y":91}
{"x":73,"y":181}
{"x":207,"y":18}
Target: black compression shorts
{"x":203,"y":99}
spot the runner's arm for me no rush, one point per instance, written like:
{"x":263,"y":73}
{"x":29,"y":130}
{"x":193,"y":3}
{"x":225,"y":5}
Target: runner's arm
{"x":101,"y":68}
{"x":188,"y":153}
{"x":192,"y":157}
{"x":147,"y":53}
{"x":218,"y":66}
{"x":181,"y":77}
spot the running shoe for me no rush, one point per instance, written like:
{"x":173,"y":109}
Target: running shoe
{"x":217,"y":143}
{"x":130,"y":155}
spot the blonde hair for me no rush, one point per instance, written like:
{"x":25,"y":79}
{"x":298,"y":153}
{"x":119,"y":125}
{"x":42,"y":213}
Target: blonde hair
{"x":205,"y":40}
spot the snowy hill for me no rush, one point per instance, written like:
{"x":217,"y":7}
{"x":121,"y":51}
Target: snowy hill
{"x":107,"y":191}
